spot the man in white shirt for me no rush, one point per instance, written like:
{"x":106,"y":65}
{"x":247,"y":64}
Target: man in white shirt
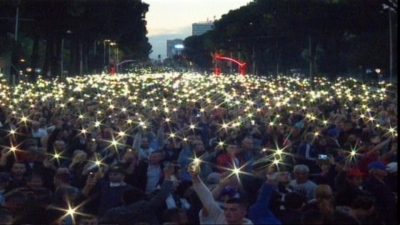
{"x":301,"y":183}
{"x":234,"y":211}
{"x":37,"y":132}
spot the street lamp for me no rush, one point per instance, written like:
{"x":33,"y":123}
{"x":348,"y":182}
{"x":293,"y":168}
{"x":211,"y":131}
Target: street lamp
{"x":378,"y":71}
{"x":104,"y":50}
{"x":116,"y":55}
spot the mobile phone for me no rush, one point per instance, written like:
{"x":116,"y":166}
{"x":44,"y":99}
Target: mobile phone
{"x":322,"y":156}
{"x":193,"y":167}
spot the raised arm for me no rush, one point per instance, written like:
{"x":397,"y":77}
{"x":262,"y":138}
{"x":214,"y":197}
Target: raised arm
{"x":205,"y":195}
{"x":158,"y":200}
{"x":160,"y":137}
{"x":259,"y":212}
{"x":137,"y":140}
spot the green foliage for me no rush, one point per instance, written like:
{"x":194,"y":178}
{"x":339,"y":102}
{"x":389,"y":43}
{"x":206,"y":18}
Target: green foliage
{"x":287,"y":34}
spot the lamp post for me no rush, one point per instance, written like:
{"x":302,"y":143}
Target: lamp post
{"x":390,"y":46}
{"x":104,"y":50}
{"x":15,"y":41}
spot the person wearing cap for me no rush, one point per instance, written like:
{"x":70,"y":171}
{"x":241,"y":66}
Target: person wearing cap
{"x":350,"y":189}
{"x":213,"y":180}
{"x":109,"y":192}
{"x":333,"y":139}
{"x":372,"y":152}
{"x":385,"y":200}
{"x":137,"y":208}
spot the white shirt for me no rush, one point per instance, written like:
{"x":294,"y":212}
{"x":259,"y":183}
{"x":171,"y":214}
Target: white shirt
{"x":144,"y":153}
{"x":153,"y":176}
{"x":39,"y":133}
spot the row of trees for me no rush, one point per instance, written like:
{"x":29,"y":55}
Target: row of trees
{"x":325,"y":37}
{"x":71,"y":35}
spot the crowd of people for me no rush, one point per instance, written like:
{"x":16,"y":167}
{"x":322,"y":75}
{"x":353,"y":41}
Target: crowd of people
{"x":194,"y":149}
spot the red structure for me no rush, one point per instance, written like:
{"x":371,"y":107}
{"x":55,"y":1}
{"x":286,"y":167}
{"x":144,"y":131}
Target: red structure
{"x":242,"y":65}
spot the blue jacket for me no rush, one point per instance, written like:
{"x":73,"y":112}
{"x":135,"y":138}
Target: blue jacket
{"x":259,"y":213}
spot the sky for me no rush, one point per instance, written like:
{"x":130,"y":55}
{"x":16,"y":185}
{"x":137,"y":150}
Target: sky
{"x":173,"y":19}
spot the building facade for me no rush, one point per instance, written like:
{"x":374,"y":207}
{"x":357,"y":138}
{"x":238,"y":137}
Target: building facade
{"x":201,"y":28}
{"x":174,"y":47}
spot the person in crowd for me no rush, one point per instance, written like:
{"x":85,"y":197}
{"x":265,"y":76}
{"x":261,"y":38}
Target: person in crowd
{"x":37,"y":131}
{"x":142,"y":144}
{"x":228,"y":160}
{"x":391,"y":180}
{"x":350,"y":189}
{"x":312,"y":217}
{"x":86,"y":219}
{"x":109,"y":192}
{"x":175,"y":216}
{"x":136,"y":207}
{"x":306,"y":152}
{"x":386,"y":205}
{"x":301,"y":183}
{"x":372,"y":152}
{"x":360,"y":209}
{"x":247,"y":153}
{"x":235,"y":209}
{"x":171,"y":151}
{"x":115,"y":131}
{"x":259,"y":213}
{"x":4,"y":179}
{"x":292,"y":208}
{"x":18,"y":176}
{"x":323,"y":202}
{"x":14,"y":203}
{"x":6,"y":217}
{"x":147,"y":175}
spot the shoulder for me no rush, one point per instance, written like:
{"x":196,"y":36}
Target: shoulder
{"x":310,"y":183}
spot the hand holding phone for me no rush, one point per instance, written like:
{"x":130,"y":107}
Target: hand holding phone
{"x":322,"y":157}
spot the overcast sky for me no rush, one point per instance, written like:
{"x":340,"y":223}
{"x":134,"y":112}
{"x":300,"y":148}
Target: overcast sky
{"x":171,"y":19}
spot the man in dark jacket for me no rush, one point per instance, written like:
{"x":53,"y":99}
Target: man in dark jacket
{"x":386,"y":206}
{"x":136,"y":208}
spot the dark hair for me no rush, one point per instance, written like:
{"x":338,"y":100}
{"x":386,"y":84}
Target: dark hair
{"x":172,"y":214}
{"x":183,"y":186}
{"x":157,"y":151}
{"x":34,"y":175}
{"x":311,"y":217}
{"x":133,"y":195}
{"x":15,"y":196}
{"x":64,"y":177}
{"x":240,"y":201}
{"x":363,"y":202}
{"x":4,"y":213}
{"x":81,"y":217}
{"x":294,"y":200}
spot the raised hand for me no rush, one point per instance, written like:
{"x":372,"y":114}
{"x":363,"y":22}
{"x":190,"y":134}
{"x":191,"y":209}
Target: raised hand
{"x":194,"y":170}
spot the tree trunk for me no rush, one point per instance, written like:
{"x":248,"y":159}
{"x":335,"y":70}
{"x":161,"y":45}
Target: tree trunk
{"x":34,"y":59}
